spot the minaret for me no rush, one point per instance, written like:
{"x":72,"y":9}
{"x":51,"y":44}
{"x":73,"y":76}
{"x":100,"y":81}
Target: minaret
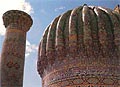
{"x":117,"y":8}
{"x":17,"y":23}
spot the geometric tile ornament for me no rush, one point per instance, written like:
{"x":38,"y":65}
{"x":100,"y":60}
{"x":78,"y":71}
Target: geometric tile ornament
{"x":17,"y":23}
{"x":81,"y":48}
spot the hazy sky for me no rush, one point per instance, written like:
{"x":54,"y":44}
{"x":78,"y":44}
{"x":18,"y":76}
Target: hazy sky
{"x":42,"y":13}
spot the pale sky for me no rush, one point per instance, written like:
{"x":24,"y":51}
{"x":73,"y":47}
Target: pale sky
{"x":42,"y":13}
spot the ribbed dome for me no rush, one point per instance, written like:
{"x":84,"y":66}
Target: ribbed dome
{"x":85,"y":36}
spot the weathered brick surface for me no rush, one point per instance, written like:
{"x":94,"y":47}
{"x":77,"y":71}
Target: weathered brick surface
{"x":13,"y":51}
{"x":80,"y":48}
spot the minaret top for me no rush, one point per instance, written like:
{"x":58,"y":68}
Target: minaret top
{"x":117,"y":9}
{"x":15,"y":19}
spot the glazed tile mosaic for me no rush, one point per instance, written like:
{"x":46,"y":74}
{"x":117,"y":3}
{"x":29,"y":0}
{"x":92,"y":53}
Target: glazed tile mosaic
{"x":80,"y":48}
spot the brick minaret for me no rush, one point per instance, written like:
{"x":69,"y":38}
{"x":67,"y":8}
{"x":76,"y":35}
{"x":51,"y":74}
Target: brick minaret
{"x":17,"y":23}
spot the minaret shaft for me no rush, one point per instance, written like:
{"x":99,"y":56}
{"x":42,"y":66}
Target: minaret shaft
{"x":12,"y":65}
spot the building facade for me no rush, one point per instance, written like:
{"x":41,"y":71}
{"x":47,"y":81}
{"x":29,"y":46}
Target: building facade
{"x":81,"y":48}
